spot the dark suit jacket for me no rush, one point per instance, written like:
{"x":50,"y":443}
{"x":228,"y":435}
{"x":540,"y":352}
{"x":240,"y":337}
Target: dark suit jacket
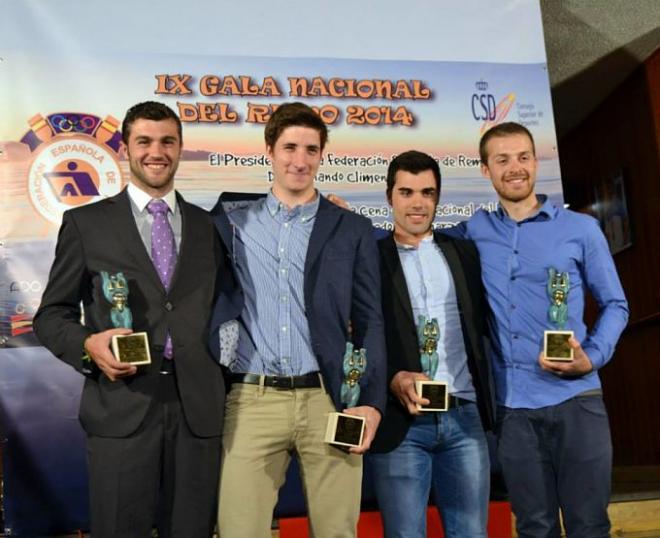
{"x":103,"y":237}
{"x":401,"y":333}
{"x":342,"y":284}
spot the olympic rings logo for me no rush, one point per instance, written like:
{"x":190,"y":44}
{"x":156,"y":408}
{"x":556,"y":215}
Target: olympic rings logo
{"x":72,"y":122}
{"x":27,"y":308}
{"x":26,"y":286}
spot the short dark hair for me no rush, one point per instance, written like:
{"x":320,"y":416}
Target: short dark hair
{"x":290,"y":115}
{"x":148,"y":110}
{"x":507,"y":128}
{"x":414,"y":162}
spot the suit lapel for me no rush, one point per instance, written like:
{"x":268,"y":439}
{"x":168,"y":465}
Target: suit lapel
{"x":456,"y":267}
{"x":188,"y":227}
{"x":395,"y":275}
{"x":327,"y":218}
{"x":122,"y":222}
{"x":223,"y":226}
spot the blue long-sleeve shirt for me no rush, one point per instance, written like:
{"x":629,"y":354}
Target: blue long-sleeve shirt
{"x":270,"y":246}
{"x":515,"y":258}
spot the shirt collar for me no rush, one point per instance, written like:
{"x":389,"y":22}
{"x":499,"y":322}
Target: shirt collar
{"x":141,"y":198}
{"x":305,"y":211}
{"x":422,"y":243}
{"x":546,"y":211}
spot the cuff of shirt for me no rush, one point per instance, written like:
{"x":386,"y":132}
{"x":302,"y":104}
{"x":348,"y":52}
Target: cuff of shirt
{"x":595,"y":356}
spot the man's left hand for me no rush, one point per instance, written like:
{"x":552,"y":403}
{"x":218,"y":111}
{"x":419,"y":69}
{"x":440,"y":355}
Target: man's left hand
{"x":580,"y":365}
{"x":372,"y":418}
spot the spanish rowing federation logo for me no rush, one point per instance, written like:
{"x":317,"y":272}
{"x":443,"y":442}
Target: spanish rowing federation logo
{"x":75,"y":161}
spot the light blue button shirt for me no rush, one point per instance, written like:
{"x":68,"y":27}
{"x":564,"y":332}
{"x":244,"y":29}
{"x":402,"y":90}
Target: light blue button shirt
{"x":270,"y":247}
{"x":515,"y":258}
{"x":433,"y":295}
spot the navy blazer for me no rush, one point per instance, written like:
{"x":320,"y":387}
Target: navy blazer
{"x":341,"y":288}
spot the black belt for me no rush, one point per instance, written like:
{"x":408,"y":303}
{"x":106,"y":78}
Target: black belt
{"x":307,"y":381}
{"x":453,"y":401}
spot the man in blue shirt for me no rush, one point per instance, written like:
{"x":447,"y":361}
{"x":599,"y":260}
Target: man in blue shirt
{"x":431,"y":280}
{"x":553,"y":433}
{"x":308,"y":283}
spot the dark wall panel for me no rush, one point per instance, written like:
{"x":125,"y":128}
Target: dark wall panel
{"x":623,"y":133}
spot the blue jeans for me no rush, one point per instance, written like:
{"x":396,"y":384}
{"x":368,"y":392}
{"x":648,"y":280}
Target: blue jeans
{"x":447,"y":451}
{"x":558,"y":457}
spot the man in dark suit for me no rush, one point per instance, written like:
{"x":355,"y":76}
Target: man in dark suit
{"x":309,"y":283}
{"x":431,"y":283}
{"x":153,"y":430}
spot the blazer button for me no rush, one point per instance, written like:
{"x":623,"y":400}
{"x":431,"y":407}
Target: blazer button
{"x":169,"y":306}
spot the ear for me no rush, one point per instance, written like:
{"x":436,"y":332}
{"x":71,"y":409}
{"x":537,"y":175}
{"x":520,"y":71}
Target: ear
{"x":485,"y":171}
{"x":269,"y":150}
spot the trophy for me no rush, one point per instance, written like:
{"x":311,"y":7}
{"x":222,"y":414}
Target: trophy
{"x":342,"y":429}
{"x":436,"y":392}
{"x":555,"y":342}
{"x":131,"y":348}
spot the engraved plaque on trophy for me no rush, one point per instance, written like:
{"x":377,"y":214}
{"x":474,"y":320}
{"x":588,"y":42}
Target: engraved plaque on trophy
{"x":434,"y":391}
{"x":555,"y":342}
{"x":556,"y":347}
{"x":131,"y":348}
{"x":344,"y":430}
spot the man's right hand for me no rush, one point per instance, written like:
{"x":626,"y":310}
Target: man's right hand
{"x":337,"y":200}
{"x":403,"y":387}
{"x":98,"y":348}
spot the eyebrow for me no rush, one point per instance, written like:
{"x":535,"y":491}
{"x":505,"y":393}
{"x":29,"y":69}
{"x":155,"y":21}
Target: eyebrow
{"x":526,"y":152}
{"x":166,"y":138}
{"x":423,"y":190}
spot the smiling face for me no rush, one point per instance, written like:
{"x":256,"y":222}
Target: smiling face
{"x":154,"y":150}
{"x":512,"y":166}
{"x":295,"y":156}
{"x":414,"y":199}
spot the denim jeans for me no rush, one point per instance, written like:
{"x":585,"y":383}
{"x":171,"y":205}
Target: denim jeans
{"x":448,"y":452}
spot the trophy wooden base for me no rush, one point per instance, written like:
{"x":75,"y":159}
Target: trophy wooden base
{"x":556,"y":347}
{"x":132,"y":348}
{"x":434,"y":391}
{"x":344,"y":430}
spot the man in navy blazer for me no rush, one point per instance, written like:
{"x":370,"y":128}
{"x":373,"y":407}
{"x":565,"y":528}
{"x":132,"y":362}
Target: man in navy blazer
{"x":307,"y":284}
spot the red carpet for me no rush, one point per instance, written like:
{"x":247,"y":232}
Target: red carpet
{"x":370,"y":526}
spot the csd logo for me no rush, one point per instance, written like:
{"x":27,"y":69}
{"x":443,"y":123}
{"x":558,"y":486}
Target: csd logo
{"x":485,"y":108}
{"x":26,"y":286}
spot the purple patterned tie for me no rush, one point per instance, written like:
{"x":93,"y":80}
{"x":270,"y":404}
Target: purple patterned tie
{"x":163,"y":251}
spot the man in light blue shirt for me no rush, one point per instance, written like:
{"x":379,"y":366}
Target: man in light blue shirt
{"x":429,"y":279}
{"x":553,"y":434}
{"x":308,"y":284}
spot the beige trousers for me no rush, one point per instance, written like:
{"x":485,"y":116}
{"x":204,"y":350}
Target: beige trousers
{"x":263,"y":427}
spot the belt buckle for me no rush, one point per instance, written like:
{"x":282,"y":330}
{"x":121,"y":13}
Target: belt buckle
{"x":283,"y":382}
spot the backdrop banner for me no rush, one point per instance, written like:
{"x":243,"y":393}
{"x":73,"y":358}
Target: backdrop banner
{"x":384,"y":81}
